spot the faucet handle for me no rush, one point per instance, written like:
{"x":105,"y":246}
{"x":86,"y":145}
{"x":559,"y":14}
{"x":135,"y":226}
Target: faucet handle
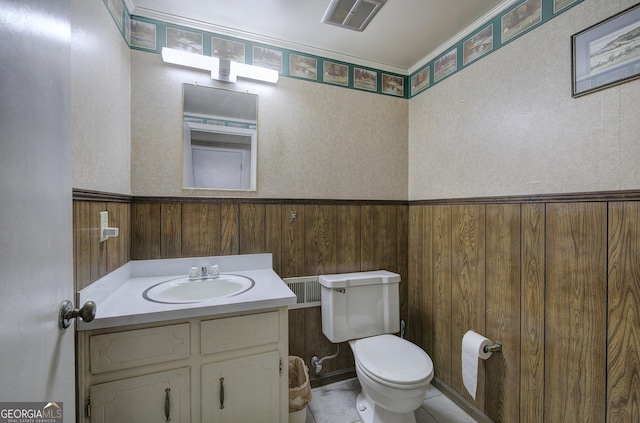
{"x":214,"y":271}
{"x":193,"y":272}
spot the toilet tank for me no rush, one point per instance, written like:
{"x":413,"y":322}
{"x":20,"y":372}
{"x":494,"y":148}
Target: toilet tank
{"x":361,"y":304}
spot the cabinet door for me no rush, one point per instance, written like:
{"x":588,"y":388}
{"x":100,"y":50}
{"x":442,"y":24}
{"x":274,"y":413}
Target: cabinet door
{"x":245,"y":389}
{"x":143,"y":399}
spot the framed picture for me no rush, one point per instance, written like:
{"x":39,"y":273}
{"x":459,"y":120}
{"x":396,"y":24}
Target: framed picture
{"x":143,"y":34}
{"x":393,"y":85}
{"x":267,"y":58}
{"x":420,"y":81}
{"x":335,"y":73}
{"x":227,"y":49}
{"x":303,"y":66}
{"x":184,"y":40}
{"x":446,"y":65}
{"x":607,"y":53}
{"x":521,"y":18}
{"x":478,"y":45}
{"x":365,"y":79}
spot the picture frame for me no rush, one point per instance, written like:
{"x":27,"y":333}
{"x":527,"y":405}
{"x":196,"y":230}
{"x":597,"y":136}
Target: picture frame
{"x":181,"y":39}
{"x":607,"y":53}
{"x":228,"y":49}
{"x":335,"y":73}
{"x":393,"y":85}
{"x":303,"y":66}
{"x":478,"y":45}
{"x":522,"y":18}
{"x":143,"y":35}
{"x":268,"y":58}
{"x":365,"y":79}
{"x":446,"y":65}
{"x":420,"y":81}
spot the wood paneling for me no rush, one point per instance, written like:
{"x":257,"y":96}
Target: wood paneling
{"x":171,"y":227}
{"x":82,"y":244}
{"x":230,"y":229}
{"x":402,"y":258}
{"x":366,"y":242}
{"x":385,"y":238}
{"x":575,"y":330}
{"x":200,"y":230}
{"x":502,"y":316}
{"x":349,"y":234}
{"x":440,"y":250}
{"x":467,"y":289}
{"x":416,"y":328}
{"x":273,"y":235}
{"x":252,"y":228}
{"x":532,"y":319}
{"x":569,"y":322}
{"x":532,"y":276}
{"x":623,"y":358}
{"x":292,"y":240}
{"x":320,"y":239}
{"x":146,"y":230}
{"x":92,"y":258}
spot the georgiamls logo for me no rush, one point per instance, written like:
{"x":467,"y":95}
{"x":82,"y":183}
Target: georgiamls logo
{"x":31,"y":412}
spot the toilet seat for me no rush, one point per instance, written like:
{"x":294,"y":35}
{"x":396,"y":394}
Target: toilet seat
{"x":393,"y":361}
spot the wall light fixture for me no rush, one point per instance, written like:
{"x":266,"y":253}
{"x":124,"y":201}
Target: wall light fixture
{"x":221,"y":69}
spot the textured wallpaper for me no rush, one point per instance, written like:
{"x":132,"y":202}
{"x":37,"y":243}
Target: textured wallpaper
{"x":314,"y":141}
{"x":101,"y":116}
{"x":508,"y":125}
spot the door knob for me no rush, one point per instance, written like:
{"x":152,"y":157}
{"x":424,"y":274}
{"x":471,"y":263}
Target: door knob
{"x":67,"y":312}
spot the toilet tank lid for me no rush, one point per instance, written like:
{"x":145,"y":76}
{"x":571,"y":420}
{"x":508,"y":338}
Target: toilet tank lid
{"x":344,"y":280}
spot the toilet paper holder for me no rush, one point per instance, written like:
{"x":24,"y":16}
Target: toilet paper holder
{"x":496,"y":347}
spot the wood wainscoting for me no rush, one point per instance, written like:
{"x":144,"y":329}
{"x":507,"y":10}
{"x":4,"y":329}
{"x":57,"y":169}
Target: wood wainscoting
{"x":93,"y":259}
{"x":556,"y":279}
{"x":557,"y":282}
{"x":306,"y":238}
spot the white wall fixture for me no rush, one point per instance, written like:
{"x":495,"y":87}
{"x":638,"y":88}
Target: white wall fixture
{"x":105,"y":231}
{"x":221,"y":69}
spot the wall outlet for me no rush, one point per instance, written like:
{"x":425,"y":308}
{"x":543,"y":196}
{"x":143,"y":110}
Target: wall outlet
{"x":104,"y":224}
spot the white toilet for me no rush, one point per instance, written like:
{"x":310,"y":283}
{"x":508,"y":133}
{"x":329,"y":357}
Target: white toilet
{"x":364,"y":309}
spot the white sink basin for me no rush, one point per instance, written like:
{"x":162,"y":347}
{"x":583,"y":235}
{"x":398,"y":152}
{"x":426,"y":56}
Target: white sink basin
{"x":184,"y":290}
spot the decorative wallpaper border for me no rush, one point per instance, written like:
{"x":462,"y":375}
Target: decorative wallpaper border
{"x":517,"y":20}
{"x":151,"y":35}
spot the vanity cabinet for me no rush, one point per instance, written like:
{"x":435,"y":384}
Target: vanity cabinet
{"x":231,"y":368}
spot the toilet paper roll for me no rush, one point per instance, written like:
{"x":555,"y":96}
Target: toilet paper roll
{"x":473,"y":349}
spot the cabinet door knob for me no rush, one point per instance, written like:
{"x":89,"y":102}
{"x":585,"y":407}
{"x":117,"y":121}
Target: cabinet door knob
{"x":167,"y":405}
{"x":221,"y":393}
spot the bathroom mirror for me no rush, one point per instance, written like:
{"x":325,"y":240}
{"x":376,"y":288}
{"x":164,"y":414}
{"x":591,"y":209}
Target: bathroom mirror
{"x":220,"y":138}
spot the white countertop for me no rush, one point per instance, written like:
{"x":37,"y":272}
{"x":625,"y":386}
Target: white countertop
{"x":119,"y":299}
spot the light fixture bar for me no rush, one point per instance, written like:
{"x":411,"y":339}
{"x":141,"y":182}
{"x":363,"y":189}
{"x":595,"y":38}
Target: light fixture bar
{"x":190,"y":60}
{"x":254,"y":72}
{"x":221,"y":70}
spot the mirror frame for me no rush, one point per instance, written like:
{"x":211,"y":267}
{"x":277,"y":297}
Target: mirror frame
{"x":193,"y":121}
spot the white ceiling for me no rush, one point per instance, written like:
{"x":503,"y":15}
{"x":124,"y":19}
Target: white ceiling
{"x":404,"y":35}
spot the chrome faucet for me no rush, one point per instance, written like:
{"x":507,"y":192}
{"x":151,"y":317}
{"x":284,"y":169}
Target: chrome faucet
{"x":203,"y":272}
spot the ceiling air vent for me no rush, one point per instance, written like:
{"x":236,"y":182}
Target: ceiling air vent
{"x":352,"y":14}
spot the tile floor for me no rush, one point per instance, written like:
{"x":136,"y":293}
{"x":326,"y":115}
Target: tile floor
{"x":335,"y":403}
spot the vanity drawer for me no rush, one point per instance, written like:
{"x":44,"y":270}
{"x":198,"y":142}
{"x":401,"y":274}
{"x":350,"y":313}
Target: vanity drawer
{"x":239,"y":332}
{"x":124,"y":350}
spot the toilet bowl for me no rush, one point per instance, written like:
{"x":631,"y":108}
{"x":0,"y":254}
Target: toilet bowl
{"x":394,"y":375}
{"x":364,"y":309}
